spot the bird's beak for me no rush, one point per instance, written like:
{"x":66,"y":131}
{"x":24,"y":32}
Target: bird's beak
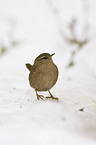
{"x":52,"y":54}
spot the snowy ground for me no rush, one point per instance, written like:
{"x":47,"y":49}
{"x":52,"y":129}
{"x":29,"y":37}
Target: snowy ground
{"x":25,"y":120}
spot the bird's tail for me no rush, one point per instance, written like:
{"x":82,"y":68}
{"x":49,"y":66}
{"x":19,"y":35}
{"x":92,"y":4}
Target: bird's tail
{"x":29,"y":66}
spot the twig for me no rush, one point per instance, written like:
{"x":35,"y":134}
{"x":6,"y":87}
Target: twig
{"x":71,"y":26}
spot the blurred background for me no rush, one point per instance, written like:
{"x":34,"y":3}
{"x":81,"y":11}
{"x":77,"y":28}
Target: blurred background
{"x":50,"y":26}
{"x":68,"y":29}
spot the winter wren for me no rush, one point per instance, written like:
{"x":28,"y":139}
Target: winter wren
{"x":43,"y":74}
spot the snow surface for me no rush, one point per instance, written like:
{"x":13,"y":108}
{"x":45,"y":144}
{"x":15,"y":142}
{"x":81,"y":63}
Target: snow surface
{"x":25,"y":120}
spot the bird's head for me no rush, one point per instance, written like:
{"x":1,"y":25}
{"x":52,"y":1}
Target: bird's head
{"x":43,"y":58}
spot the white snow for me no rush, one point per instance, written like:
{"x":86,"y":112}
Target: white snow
{"x":25,"y":120}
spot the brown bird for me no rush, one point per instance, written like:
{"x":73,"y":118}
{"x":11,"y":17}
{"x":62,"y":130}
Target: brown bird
{"x":43,"y":74}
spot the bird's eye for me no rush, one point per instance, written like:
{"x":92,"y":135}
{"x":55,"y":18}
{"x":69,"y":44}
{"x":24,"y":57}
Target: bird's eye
{"x":44,"y":57}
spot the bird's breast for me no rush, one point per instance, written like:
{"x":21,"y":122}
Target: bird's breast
{"x":44,"y":77}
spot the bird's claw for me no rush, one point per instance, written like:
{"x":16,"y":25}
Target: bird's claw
{"x":40,"y":97}
{"x":55,"y":98}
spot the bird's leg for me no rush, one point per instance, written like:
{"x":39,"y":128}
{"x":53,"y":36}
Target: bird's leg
{"x":39,"y":96}
{"x":51,"y":96}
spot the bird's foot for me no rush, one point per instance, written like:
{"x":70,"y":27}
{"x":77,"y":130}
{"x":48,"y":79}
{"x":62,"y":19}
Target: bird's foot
{"x":55,"y":98}
{"x":40,"y":97}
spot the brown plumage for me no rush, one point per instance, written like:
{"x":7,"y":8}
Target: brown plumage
{"x":43,"y":74}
